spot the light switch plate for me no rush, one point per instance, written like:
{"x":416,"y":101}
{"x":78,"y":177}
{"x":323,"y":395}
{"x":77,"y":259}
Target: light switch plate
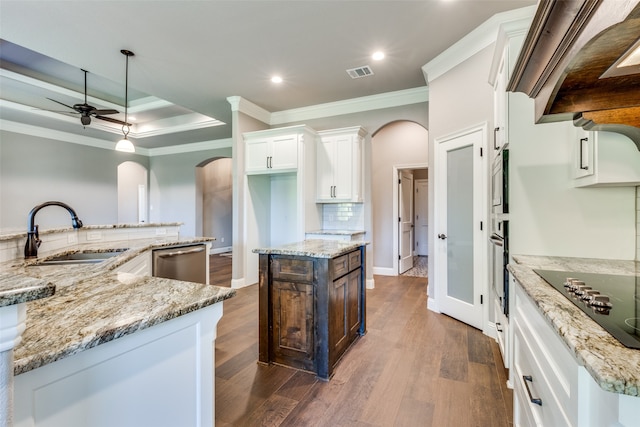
{"x":72,"y":238}
{"x":94,"y":235}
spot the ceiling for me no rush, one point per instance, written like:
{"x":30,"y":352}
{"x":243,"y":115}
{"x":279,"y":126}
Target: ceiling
{"x":191,"y":55}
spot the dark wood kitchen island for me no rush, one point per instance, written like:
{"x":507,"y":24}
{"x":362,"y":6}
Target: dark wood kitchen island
{"x":311,"y":303}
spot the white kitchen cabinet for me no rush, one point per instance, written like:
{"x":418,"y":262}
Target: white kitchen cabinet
{"x":273,"y":150}
{"x":551,"y":388}
{"x":605,"y":159}
{"x":340,"y":161}
{"x":505,"y":56}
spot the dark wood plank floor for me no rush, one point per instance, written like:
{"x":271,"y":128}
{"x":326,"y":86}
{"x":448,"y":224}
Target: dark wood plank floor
{"x":413,"y":368}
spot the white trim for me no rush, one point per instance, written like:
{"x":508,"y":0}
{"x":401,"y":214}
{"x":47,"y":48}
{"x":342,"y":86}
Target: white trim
{"x":506,"y":31}
{"x":189,"y":148}
{"x":394,"y":195}
{"x":247,"y":107}
{"x":385,"y":271}
{"x":238,"y":283}
{"x":490,"y":330}
{"x":432,"y":305}
{"x":355,"y":105}
{"x":221,"y":250}
{"x":370,"y":284}
{"x":484,"y":35}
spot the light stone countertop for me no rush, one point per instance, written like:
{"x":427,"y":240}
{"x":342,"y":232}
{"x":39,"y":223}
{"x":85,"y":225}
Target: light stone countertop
{"x":314,"y":248}
{"x":16,"y":288}
{"x":614,"y":367}
{"x":17,"y":234}
{"x":337,"y":232}
{"x":94,"y":304}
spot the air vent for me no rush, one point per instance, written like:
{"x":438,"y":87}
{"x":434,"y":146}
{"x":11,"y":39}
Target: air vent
{"x":363,"y":71}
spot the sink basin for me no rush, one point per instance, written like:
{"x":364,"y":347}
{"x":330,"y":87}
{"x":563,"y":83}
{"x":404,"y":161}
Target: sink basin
{"x":86,"y":257}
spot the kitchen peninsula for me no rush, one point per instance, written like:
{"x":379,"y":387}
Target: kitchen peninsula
{"x":113,"y":344}
{"x":312,"y":303}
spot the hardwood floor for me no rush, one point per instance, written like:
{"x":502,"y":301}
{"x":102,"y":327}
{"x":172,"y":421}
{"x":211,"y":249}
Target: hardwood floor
{"x":220,"y":270}
{"x":413,"y":368}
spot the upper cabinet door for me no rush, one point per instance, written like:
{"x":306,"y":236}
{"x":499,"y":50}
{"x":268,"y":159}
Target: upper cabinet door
{"x":339,"y":166}
{"x":272,"y":155}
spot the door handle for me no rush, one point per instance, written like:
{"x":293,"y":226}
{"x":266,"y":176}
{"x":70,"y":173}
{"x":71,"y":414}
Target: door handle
{"x":442,"y":236}
{"x":495,"y":138}
{"x":582,"y":165}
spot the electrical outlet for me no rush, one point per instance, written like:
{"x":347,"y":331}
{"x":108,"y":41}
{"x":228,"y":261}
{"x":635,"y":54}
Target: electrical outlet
{"x":92,"y":236}
{"x":72,"y":238}
{"x":222,"y":240}
{"x":161,"y":231}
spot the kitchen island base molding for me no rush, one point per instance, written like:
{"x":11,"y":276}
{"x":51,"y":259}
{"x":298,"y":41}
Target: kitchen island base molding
{"x":160,"y":376}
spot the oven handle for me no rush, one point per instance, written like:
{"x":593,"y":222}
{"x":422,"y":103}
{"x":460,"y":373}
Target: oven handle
{"x":496,"y":240}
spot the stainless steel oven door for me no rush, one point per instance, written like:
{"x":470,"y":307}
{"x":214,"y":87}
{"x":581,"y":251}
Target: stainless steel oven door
{"x":497,"y":257}
{"x":497,"y":186}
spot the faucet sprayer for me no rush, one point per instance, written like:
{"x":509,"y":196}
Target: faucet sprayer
{"x":33,"y":237}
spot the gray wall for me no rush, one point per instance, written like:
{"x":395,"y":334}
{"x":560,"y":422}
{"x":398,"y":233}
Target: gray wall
{"x":173,"y":191}
{"x":34,"y":170}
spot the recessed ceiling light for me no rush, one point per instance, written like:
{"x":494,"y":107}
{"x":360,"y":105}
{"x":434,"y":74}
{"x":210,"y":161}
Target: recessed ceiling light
{"x":378,"y":55}
{"x":276,"y":79}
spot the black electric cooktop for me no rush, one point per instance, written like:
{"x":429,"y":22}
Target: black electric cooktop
{"x":613,"y":301}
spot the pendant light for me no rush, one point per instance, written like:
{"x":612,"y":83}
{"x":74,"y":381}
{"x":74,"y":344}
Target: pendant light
{"x":124,"y":144}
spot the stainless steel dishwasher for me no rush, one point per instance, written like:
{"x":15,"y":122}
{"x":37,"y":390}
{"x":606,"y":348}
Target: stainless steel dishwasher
{"x":188,"y":263}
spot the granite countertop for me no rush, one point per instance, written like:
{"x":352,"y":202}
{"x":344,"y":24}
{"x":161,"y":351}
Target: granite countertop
{"x":337,"y":232}
{"x":315,"y":248}
{"x":94,"y":303}
{"x":613,"y":366}
{"x":17,"y":234}
{"x":16,"y":288}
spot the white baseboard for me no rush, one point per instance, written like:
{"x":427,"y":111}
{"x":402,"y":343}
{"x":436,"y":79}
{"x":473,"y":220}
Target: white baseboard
{"x":370,"y":284}
{"x":432,"y":305}
{"x":221,"y":250}
{"x":238,"y":283}
{"x":385,"y":271}
{"x":490,"y":331}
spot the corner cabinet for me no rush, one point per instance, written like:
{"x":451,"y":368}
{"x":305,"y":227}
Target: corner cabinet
{"x":310,"y":309}
{"x":605,"y":159}
{"x":340,"y":162}
{"x":275,"y":150}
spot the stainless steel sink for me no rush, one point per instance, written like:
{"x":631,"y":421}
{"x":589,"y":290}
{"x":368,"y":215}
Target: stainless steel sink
{"x":85,"y":257}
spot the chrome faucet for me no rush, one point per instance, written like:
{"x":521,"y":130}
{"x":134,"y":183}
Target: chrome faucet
{"x":33,"y":237}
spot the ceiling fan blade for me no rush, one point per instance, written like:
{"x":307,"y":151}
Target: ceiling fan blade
{"x":103,"y":112}
{"x":61,"y":103}
{"x":109,"y":119}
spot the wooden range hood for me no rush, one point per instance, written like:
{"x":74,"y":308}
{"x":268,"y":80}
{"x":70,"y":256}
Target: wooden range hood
{"x":570,"y":64}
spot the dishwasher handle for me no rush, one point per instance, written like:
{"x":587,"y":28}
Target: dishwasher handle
{"x":176,"y":253}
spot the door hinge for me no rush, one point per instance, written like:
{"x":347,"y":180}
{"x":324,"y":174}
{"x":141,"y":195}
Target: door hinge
{"x":481,"y":299}
{"x":399,"y":181}
{"x":480,"y":151}
{"x":399,"y":219}
{"x":399,"y":257}
{"x":480,"y":225}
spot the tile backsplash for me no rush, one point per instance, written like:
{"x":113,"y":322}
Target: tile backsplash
{"x":343,"y":216}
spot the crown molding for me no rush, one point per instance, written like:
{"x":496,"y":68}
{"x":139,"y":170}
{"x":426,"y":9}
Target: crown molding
{"x":190,"y":148}
{"x":40,"y":132}
{"x":481,"y":37}
{"x":355,"y":105}
{"x":239,"y":104}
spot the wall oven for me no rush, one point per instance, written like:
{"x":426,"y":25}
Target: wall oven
{"x":500,"y":183}
{"x":500,"y":258}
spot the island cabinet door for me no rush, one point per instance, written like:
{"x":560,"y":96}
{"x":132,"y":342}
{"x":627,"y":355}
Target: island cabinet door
{"x":354,"y":303}
{"x":338,"y":318}
{"x":292,"y":341}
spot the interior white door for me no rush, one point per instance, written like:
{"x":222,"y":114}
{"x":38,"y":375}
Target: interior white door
{"x":405,"y":245}
{"x":421,"y":224}
{"x":458,"y":262}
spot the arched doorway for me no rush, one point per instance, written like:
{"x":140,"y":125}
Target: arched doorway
{"x":132,"y":193}
{"x":214,"y":202}
{"x":396,"y":147}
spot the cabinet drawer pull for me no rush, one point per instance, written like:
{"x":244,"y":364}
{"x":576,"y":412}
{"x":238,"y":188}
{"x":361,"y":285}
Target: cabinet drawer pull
{"x":495,"y":138}
{"x":582,"y":165}
{"x":498,"y":324}
{"x":527,"y":379}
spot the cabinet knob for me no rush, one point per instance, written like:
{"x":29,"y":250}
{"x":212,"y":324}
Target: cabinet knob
{"x":442,"y":236}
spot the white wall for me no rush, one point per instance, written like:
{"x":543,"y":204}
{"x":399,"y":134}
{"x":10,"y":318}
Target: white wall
{"x":35,"y":170}
{"x":132,"y":175}
{"x":548,"y":216}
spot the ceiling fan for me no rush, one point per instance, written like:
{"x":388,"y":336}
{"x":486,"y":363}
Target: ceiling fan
{"x":87,"y":111}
